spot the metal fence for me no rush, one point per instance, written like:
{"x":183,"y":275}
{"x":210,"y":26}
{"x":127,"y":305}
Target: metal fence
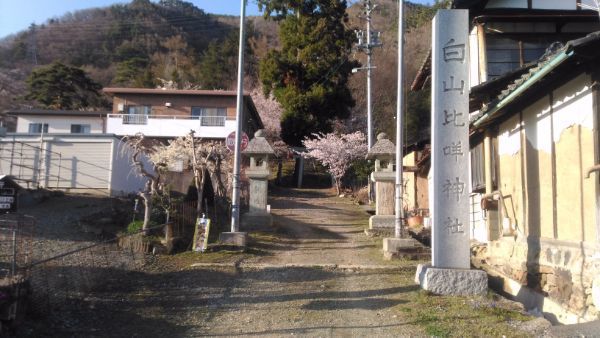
{"x":63,"y":284}
{"x":57,"y":286}
{"x":31,"y":165}
{"x":16,"y":238}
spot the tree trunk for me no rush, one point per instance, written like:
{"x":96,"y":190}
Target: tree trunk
{"x":337,"y":186}
{"x":279,"y":170}
{"x":200,"y":190}
{"x":296,"y":170}
{"x":147,"y":211}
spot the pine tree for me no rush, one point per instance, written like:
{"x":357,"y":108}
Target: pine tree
{"x":309,"y":74}
{"x":58,"y":86}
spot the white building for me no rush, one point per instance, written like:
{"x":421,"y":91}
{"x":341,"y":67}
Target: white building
{"x":96,"y":163}
{"x":36,"y":121}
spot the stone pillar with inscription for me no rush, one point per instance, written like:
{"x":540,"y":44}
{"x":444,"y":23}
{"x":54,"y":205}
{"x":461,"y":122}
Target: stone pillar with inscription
{"x":383,"y":152}
{"x":258,"y":151}
{"x":450,"y":271}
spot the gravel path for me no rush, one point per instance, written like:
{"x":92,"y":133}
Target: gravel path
{"x":358,"y":298}
{"x":320,"y":277}
{"x":321,"y":229}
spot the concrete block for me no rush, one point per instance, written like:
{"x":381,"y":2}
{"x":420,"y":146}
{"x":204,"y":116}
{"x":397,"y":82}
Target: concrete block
{"x":398,"y":244}
{"x":382,"y":222}
{"x":453,"y":282}
{"x":233,"y":238}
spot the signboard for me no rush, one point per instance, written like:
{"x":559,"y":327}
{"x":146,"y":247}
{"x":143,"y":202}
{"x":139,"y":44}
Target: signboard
{"x":450,"y":140}
{"x":8,"y":194}
{"x":201,"y":233}
{"x":230,"y":141}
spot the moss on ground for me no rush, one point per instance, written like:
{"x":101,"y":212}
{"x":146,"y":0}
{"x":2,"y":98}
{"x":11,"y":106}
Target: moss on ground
{"x":220,"y":255}
{"x":445,"y":316}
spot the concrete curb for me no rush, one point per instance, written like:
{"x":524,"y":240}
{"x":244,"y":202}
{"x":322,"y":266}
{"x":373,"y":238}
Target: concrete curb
{"x":301,"y":265}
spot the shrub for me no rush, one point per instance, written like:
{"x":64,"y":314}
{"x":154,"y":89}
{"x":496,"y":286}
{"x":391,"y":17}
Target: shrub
{"x":134,"y":227}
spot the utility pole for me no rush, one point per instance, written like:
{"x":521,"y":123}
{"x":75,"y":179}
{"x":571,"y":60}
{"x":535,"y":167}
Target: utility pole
{"x":399,"y":230}
{"x":32,"y":45}
{"x":372,"y":41}
{"x":235,"y":203}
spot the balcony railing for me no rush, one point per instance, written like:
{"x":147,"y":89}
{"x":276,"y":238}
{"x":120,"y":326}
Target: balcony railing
{"x":139,"y":119}
{"x":135,"y":119}
{"x":212,"y":121}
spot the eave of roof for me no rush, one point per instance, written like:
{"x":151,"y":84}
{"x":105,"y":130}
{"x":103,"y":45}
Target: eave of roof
{"x":468,"y":4}
{"x":586,"y":47}
{"x":423,"y":74}
{"x":485,"y":91}
{"x":116,"y":90}
{"x":51,"y":112}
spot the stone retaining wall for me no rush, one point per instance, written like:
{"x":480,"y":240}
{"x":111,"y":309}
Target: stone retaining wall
{"x":567,"y":273}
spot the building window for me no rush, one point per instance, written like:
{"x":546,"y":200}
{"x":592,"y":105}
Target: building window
{"x":136,"y":114}
{"x":80,"y":129}
{"x":138,"y":110}
{"x":478,"y":167}
{"x":210,"y":117}
{"x":36,"y":128}
{"x":506,"y":52}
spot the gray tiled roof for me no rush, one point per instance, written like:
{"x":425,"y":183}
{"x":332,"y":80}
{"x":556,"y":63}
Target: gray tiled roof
{"x":258,"y":146}
{"x":382,"y":148}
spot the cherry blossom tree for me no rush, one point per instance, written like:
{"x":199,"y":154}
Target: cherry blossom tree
{"x":270,"y":113}
{"x":208,"y":160}
{"x":141,"y":146}
{"x":336,"y":152}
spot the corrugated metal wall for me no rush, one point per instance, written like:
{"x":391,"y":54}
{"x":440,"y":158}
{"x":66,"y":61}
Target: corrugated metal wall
{"x":79,"y":164}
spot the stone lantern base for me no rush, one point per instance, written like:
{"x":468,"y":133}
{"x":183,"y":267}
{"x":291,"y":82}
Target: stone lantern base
{"x":382,"y":222}
{"x":234,"y":238}
{"x":257,"y":221}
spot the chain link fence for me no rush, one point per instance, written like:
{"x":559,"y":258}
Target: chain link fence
{"x":45,"y":289}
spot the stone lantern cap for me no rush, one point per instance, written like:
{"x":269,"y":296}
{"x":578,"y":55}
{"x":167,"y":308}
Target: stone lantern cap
{"x":382,"y":149}
{"x":258,"y":145}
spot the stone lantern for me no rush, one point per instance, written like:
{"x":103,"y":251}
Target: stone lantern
{"x":258,"y":151}
{"x":384,"y":176}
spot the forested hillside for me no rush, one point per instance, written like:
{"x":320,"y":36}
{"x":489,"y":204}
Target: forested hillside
{"x":136,"y":44}
{"x":145,"y":44}
{"x":384,"y":77}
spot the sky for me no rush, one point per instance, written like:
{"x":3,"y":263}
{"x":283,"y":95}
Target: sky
{"x":17,"y":15}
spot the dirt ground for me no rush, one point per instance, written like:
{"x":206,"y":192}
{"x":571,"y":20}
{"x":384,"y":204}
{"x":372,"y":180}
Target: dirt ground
{"x":316,"y":275}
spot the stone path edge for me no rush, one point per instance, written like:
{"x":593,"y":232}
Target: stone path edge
{"x":294,"y":265}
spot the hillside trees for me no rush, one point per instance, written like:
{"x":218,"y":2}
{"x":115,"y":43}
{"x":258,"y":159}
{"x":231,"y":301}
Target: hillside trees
{"x":308,"y":75}
{"x":174,"y":62}
{"x":417,"y":45}
{"x":58,"y":86}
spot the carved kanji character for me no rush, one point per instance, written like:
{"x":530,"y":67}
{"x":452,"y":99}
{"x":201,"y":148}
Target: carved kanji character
{"x":454,"y":51}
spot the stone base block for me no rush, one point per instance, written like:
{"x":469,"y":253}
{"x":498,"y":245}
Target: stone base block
{"x":404,"y":248}
{"x":454,"y":282}
{"x":382,"y":222}
{"x":257,"y":221}
{"x":399,"y":244}
{"x":233,"y":238}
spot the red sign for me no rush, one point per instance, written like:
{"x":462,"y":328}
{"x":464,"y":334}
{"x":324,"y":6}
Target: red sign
{"x":230,"y":141}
